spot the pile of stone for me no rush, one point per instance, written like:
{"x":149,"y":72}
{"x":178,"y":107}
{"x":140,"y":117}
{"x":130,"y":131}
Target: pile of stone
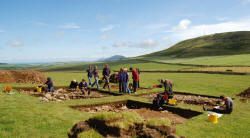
{"x":197,"y":100}
{"x":62,"y":95}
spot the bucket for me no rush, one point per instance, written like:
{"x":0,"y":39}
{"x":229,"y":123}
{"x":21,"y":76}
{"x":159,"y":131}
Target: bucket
{"x":172,"y":101}
{"x":7,"y":88}
{"x":39,"y":89}
{"x":213,"y":118}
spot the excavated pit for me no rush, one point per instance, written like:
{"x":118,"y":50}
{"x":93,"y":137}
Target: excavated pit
{"x":62,"y":94}
{"x":189,"y":98}
{"x":146,"y":110}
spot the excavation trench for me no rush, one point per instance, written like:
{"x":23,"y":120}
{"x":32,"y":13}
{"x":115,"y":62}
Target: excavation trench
{"x":145,"y":110}
{"x":62,"y":93}
{"x":188,"y":98}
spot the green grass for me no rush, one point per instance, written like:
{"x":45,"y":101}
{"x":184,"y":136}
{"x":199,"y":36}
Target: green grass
{"x":226,"y":60}
{"x":230,"y":43}
{"x":25,"y":116}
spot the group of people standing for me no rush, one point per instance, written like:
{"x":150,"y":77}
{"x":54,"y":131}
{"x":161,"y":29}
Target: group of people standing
{"x":92,"y":72}
{"x":123,"y":79}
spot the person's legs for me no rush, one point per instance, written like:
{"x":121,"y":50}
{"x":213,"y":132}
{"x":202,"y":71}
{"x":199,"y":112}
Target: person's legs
{"x":124,"y":87}
{"x":127,"y":88}
{"x":120,"y":86}
{"x":135,"y":85}
{"x":97,"y":83}
{"x":138,"y":85}
{"x":89,"y":80}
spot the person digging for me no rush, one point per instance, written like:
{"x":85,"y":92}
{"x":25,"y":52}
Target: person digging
{"x":83,"y":86}
{"x":226,"y":108}
{"x":163,"y":98}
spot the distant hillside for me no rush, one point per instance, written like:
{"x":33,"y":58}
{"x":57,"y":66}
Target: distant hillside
{"x":114,"y":58}
{"x":209,"y":45}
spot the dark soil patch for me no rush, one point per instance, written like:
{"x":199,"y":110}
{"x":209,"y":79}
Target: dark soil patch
{"x":146,"y":110}
{"x":245,"y":93}
{"x":189,"y":99}
{"x":139,"y":130}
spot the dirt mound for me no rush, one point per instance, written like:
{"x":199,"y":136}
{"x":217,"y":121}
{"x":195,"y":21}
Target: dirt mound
{"x":21,"y":76}
{"x":106,"y":129}
{"x":245,"y":93}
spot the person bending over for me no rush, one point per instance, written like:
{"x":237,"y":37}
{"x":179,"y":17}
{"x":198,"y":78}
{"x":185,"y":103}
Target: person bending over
{"x":73,"y":85}
{"x":83,"y":86}
{"x":50,"y":85}
{"x":226,"y":108}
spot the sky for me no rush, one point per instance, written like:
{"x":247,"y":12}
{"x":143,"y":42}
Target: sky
{"x":86,"y":30}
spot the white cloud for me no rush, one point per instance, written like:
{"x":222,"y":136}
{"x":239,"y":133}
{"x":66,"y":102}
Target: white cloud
{"x":15,"y":43}
{"x":108,"y":28}
{"x":148,"y":43}
{"x":183,"y":24}
{"x":70,"y":26}
{"x":206,"y":29}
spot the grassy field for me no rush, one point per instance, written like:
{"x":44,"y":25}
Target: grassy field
{"x":25,"y":116}
{"x":224,"y":60}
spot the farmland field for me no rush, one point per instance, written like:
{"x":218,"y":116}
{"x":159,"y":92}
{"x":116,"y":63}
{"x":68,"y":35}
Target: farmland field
{"x":56,"y":119}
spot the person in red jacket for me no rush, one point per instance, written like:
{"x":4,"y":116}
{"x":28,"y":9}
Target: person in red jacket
{"x":135,"y":77}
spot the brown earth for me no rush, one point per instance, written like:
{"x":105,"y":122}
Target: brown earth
{"x":21,"y":76}
{"x":62,"y":94}
{"x":245,"y":93}
{"x":139,"y":130}
{"x":188,"y":99}
{"x":146,"y":113}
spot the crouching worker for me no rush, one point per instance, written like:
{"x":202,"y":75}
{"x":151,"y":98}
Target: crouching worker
{"x":226,"y":108}
{"x":160,"y":100}
{"x":168,"y":87}
{"x":83,"y":86}
{"x":50,"y":85}
{"x":73,"y":85}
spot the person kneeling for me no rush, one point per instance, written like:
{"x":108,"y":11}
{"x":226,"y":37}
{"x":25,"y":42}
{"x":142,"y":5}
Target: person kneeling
{"x":226,"y":108}
{"x":83,"y":86}
{"x":73,"y":85}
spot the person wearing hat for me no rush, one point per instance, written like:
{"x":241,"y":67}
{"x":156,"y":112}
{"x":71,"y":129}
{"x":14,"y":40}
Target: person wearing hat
{"x":73,"y":85}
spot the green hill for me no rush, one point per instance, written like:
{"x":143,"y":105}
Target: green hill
{"x":230,"y":43}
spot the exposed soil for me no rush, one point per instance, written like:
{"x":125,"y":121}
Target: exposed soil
{"x":21,"y":76}
{"x":189,"y":99}
{"x":245,"y":93}
{"x":146,"y":110}
{"x":62,"y":94}
{"x":136,"y":130}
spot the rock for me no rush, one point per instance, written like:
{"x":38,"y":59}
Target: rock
{"x":62,"y":98}
{"x":48,"y":96}
{"x":44,"y":99}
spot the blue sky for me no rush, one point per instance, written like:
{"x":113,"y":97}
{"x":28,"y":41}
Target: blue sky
{"x":73,"y":30}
